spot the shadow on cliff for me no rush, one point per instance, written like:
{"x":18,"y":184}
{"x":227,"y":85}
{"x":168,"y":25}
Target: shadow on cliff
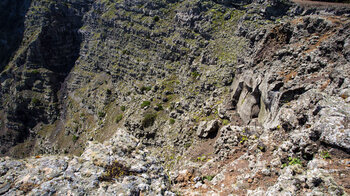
{"x":12,"y":14}
{"x":41,"y":70}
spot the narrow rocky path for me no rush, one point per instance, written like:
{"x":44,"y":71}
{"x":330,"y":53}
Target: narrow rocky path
{"x":307,"y":3}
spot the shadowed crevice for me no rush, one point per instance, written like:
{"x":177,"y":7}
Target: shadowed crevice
{"x":12,"y":14}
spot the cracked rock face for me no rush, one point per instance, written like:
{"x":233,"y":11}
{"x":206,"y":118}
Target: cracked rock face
{"x":286,"y":95}
{"x":333,"y":124}
{"x":80,"y":175}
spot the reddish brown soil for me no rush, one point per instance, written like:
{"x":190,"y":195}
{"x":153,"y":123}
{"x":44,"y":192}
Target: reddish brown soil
{"x":203,"y":149}
{"x":310,"y":4}
{"x":339,"y":167}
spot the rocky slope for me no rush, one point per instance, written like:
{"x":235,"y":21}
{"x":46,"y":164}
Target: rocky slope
{"x":175,"y":97}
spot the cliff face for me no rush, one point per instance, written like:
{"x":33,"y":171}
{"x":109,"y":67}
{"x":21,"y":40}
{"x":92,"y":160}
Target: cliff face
{"x":202,"y":92}
{"x":129,"y":46}
{"x":32,"y":79}
{"x":13,"y":13}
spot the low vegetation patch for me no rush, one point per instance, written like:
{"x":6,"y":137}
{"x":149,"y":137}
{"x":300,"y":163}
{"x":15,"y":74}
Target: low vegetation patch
{"x":159,"y":107}
{"x":149,"y":120}
{"x":75,"y":138}
{"x":101,"y":114}
{"x":208,"y":177}
{"x":35,"y":71}
{"x":145,"y":88}
{"x":225,"y":122}
{"x":195,"y":75}
{"x":292,"y":161}
{"x":145,"y":103}
{"x":125,"y":52}
{"x":119,"y":118}
{"x":156,"y":18}
{"x":187,"y":145}
{"x":35,"y":101}
{"x":122,"y":108}
{"x":243,"y":139}
{"x":325,"y":155}
{"x":172,"y":121}
{"x":114,"y":171}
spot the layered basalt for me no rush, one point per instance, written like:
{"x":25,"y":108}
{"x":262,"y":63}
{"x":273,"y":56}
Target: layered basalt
{"x":163,"y":97}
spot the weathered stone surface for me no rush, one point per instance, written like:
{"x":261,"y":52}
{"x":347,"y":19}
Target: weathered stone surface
{"x":207,"y":129}
{"x":81,"y":175}
{"x":333,"y":123}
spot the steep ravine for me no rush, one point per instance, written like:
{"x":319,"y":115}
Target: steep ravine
{"x":174,"y":97}
{"x":31,"y":81}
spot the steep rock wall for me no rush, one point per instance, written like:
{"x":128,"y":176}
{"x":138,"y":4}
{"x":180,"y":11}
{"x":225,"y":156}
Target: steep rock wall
{"x":31,"y":81}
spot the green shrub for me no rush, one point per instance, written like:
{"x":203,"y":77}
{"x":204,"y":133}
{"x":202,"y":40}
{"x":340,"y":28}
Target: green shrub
{"x":208,"y":177}
{"x":35,"y":71}
{"x":325,"y":155}
{"x":115,"y":170}
{"x":125,"y":52}
{"x":35,"y":101}
{"x":145,"y":88}
{"x":101,"y":114}
{"x":122,"y":108}
{"x":292,"y":161}
{"x":262,"y":148}
{"x":156,"y":18}
{"x":195,"y":74}
{"x":119,"y":118}
{"x":75,"y":138}
{"x":188,"y":145}
{"x":225,"y":122}
{"x":145,"y":103}
{"x":243,"y":139}
{"x":201,"y":158}
{"x":172,"y":121}
{"x":149,"y":120}
{"x":159,"y":107}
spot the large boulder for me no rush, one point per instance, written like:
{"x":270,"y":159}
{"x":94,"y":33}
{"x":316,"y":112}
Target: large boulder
{"x":207,"y":129}
{"x":333,"y":125}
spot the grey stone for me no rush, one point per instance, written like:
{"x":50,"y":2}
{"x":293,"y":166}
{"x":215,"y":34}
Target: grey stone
{"x":206,"y":129}
{"x":4,"y":188}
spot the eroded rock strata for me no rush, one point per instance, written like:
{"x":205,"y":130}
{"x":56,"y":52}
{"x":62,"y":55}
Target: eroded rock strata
{"x":174,"y":97}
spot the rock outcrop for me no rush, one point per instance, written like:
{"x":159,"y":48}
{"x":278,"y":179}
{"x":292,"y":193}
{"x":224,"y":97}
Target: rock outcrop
{"x":208,"y":129}
{"x":294,"y":82}
{"x":88,"y":174}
